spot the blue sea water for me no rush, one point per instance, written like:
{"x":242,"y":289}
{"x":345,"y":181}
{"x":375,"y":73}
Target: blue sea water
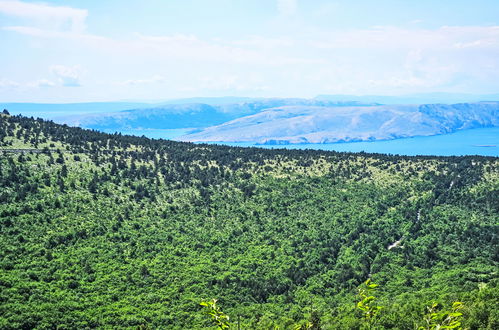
{"x":480,"y":141}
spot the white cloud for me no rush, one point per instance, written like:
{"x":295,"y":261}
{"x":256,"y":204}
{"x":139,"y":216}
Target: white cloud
{"x":152,"y":80}
{"x":415,"y":59}
{"x":168,"y":47}
{"x":380,"y":59}
{"x":261,"y":42}
{"x":287,"y":7}
{"x":5,"y":83}
{"x":41,"y":83}
{"x":188,"y":47}
{"x":231,"y":82}
{"x":389,"y":37}
{"x":47,"y":16}
{"x":68,"y":76}
{"x":169,"y":38}
{"x":35,"y":32}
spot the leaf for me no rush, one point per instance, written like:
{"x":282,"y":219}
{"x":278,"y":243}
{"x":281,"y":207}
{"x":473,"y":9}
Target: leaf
{"x":455,"y":314}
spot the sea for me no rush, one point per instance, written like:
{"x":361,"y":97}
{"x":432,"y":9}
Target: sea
{"x":479,"y":141}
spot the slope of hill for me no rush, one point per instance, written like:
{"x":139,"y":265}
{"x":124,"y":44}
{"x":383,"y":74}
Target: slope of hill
{"x":312,"y":124}
{"x":111,"y":231}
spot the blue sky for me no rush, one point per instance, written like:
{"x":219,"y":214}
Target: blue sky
{"x":89,"y":50}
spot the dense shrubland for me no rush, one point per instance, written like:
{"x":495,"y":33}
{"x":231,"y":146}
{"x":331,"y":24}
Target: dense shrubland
{"x":108,"y":231}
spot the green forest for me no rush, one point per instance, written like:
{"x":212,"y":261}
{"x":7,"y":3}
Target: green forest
{"x":121,"y":232}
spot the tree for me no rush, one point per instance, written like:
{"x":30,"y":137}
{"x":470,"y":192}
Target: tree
{"x":6,"y":112}
{"x":439,"y":318}
{"x":367,"y":303}
{"x":219,"y":318}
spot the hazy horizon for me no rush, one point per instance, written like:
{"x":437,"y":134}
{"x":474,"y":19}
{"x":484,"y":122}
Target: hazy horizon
{"x":440,"y":96}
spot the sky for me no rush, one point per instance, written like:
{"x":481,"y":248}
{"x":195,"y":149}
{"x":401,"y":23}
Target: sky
{"x":152,"y":50}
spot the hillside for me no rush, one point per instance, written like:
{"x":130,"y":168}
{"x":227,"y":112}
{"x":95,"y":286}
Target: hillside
{"x":111,"y":231}
{"x":313,"y":124}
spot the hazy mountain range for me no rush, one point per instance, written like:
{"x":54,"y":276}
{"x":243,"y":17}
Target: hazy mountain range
{"x":191,"y":115}
{"x":422,"y":98}
{"x":54,"y":110}
{"x":314,"y":124}
{"x":324,"y":119}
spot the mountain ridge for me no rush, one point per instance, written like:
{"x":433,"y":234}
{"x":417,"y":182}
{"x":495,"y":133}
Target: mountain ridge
{"x":188,"y":115}
{"x":297,"y":125}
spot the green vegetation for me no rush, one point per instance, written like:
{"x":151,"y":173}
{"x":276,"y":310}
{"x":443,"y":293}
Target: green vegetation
{"x":441,"y":319}
{"x":219,"y":318}
{"x":367,"y":303}
{"x":116,"y":231}
{"x":435,"y":319}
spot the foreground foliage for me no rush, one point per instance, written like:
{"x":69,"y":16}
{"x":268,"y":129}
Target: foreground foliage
{"x":438,"y":318}
{"x":219,"y":318}
{"x":108,"y":231}
{"x":367,"y":303}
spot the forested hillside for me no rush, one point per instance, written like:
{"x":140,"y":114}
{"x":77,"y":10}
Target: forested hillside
{"x":111,"y":231}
